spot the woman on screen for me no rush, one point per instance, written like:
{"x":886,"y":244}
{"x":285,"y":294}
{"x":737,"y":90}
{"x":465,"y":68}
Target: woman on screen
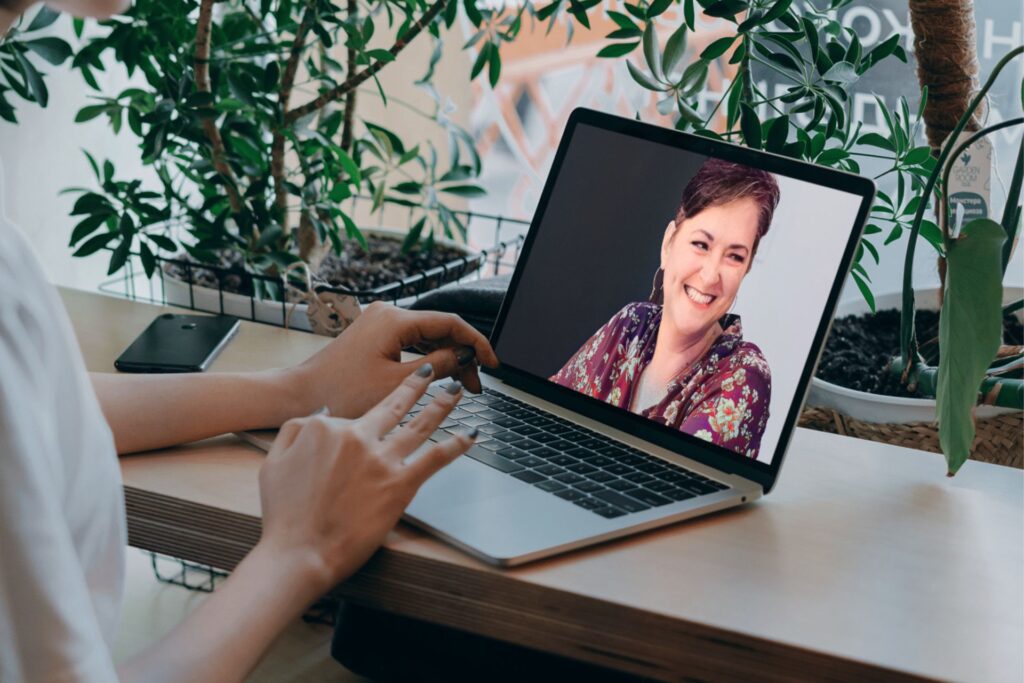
{"x":680,"y":358}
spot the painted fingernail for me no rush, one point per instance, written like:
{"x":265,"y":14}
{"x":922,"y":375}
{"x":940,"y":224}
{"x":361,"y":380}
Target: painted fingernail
{"x":454,"y":388}
{"x":465,"y":355}
{"x":425,"y":370}
{"x":473,"y":433}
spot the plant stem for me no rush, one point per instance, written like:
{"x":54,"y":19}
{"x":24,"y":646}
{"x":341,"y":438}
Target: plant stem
{"x":277,"y":170}
{"x":202,"y":69}
{"x":354,"y":80}
{"x":907,"y":337}
{"x":350,"y":98}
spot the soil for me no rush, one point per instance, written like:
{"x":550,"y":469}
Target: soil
{"x":356,"y":269}
{"x":860,"y":347}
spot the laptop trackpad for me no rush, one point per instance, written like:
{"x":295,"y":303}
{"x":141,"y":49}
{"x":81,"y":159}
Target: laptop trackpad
{"x":463,"y":481}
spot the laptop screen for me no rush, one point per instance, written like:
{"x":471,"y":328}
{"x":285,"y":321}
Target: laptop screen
{"x":679,"y":287}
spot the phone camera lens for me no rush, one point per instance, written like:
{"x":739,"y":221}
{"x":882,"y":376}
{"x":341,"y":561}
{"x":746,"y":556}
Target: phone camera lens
{"x":188,"y":326}
{"x":167,"y":316}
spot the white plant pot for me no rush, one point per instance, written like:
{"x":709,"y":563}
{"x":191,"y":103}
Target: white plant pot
{"x":876,"y":408}
{"x":177,"y":293}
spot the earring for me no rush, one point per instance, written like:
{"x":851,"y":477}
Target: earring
{"x":657,"y":295}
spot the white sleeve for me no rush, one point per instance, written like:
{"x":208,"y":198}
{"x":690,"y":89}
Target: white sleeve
{"x":49,"y":630}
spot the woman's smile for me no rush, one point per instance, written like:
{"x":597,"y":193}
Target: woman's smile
{"x":699,"y":298}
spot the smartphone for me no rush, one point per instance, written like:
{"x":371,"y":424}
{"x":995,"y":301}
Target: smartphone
{"x":178,"y":343}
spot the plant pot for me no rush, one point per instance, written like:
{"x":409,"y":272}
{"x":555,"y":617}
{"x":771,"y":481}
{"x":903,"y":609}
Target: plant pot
{"x":908,"y":421}
{"x":178,"y":292}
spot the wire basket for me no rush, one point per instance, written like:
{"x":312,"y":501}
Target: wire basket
{"x":219,"y":291}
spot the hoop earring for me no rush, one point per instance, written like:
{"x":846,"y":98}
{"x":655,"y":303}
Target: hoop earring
{"x":657,"y":295}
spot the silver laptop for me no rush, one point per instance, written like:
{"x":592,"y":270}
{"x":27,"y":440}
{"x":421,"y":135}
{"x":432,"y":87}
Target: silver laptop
{"x":657,"y":339}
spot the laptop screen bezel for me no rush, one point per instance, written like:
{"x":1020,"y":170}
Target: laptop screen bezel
{"x":672,"y":439}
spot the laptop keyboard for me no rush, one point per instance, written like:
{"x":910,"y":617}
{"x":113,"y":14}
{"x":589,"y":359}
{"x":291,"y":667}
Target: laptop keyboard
{"x":576,"y":464}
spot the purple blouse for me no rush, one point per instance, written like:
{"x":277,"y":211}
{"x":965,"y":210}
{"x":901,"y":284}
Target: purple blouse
{"x":722,"y":398}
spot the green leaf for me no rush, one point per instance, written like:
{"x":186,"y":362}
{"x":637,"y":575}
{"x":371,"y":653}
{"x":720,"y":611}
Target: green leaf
{"x":750,"y":125}
{"x":53,"y":50}
{"x":86,"y":228}
{"x":42,"y":19}
{"x":120,"y":255}
{"x":494,"y":70}
{"x":163,"y":242}
{"x":147,"y":258}
{"x":33,"y":79}
{"x":841,"y":72}
{"x":465,"y":190}
{"x":414,"y":234}
{"x":917,"y":155}
{"x":652,"y":53}
{"x":688,"y":14}
{"x":876,"y":140}
{"x":675,"y":48}
{"x":970,"y":331}
{"x":717,"y":48}
{"x":865,"y":290}
{"x":617,"y":49}
{"x":777,"y":134}
{"x":94,"y":244}
{"x":657,"y":7}
{"x":644,"y":80}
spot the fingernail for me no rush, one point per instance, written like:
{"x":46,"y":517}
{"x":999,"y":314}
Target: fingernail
{"x":425,"y":370}
{"x":473,"y":433}
{"x":465,"y":355}
{"x":454,"y":388}
{"x":323,"y":410}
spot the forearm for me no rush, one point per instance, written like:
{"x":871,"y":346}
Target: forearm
{"x":225,"y":637}
{"x":155,"y":411}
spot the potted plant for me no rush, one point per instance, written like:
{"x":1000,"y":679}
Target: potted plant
{"x":247,"y":112}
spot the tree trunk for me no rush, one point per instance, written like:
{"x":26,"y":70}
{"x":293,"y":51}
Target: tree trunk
{"x":945,"y":44}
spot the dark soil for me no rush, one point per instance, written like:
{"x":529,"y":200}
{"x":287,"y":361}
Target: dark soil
{"x":860,"y":347}
{"x":356,"y":269}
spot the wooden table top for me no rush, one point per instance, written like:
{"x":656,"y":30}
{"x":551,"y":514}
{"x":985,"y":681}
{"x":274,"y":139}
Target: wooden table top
{"x":865,"y":561}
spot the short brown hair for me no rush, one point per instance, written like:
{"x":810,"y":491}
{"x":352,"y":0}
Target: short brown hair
{"x":720,"y":182}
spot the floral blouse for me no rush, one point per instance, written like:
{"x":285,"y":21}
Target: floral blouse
{"x":722,"y":398}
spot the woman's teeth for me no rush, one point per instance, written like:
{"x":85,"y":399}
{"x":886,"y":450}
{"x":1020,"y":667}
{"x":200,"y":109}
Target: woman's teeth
{"x":697,"y":297}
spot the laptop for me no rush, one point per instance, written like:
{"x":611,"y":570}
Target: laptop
{"x":659,"y":333}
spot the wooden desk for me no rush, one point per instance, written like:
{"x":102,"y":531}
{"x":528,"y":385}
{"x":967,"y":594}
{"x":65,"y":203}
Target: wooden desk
{"x":865,"y":563}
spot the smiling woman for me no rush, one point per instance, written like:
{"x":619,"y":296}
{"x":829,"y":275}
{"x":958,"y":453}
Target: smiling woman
{"x":680,"y":358}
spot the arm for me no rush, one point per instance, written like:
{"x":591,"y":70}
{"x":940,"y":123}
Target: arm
{"x":330,"y":491}
{"x":735,"y":413}
{"x":349,"y":375}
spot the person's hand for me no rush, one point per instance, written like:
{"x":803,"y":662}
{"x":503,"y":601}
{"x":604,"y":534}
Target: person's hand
{"x":332,"y":489}
{"x":363,"y":365}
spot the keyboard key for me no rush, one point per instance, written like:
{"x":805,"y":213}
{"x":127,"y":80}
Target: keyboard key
{"x":568,"y":478}
{"x":697,"y":487}
{"x":525,"y":430}
{"x":544,"y":437}
{"x":528,"y":476}
{"x":520,"y":442}
{"x":562,"y":459}
{"x":655,"y":485}
{"x":581,"y":468}
{"x":490,"y":415}
{"x":531,"y":461}
{"x":651,"y":467}
{"x":678,"y":494}
{"x":588,"y":503}
{"x":593,"y":444}
{"x":549,"y":470}
{"x":558,"y":429}
{"x":620,"y":484}
{"x":550,"y":485}
{"x":649,"y":497}
{"x":609,"y":512}
{"x":569,"y":494}
{"x":520,"y":413}
{"x":581,"y":453}
{"x":472,"y":407}
{"x":548,"y":454}
{"x":489,"y":428}
{"x":562,"y":445}
{"x":447,"y":424}
{"x":638,"y":477}
{"x":600,"y":461}
{"x":620,"y":501}
{"x":459,"y":415}
{"x":493,"y":459}
{"x":489,"y":443}
{"x":618,"y":468}
{"x":474,"y":422}
{"x":589,"y":486}
{"x":486,"y":399}
{"x":511,"y":453}
{"x":506,"y":422}
{"x":601,"y":476}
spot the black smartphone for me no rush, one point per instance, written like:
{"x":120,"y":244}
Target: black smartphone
{"x":178,"y":343}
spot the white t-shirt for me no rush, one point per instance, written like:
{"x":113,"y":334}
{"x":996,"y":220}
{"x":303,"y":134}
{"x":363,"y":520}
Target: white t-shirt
{"x":62,"y":523}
